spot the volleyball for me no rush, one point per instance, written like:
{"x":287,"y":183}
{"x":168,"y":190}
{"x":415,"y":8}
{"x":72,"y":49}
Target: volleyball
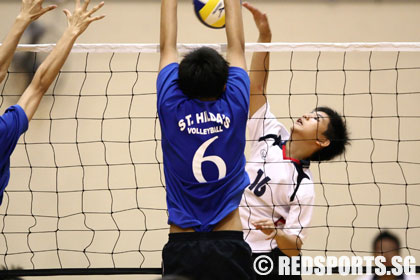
{"x":210,"y":12}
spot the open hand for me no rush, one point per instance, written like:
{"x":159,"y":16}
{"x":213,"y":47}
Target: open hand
{"x":82,"y":17}
{"x":261,"y":20}
{"x":31,"y":10}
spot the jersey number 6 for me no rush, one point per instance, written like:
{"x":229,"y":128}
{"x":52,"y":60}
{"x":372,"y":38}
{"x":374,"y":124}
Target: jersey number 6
{"x":199,"y":158}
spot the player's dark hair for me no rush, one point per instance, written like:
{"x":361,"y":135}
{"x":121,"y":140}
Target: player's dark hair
{"x":386,"y":235}
{"x":337,"y":134}
{"x":203,"y":73}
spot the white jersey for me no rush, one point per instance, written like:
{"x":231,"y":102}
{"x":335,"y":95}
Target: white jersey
{"x":281,"y":188}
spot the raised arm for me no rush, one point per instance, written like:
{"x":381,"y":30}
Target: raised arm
{"x":168,"y":32}
{"x":47,"y":72}
{"x":260,"y":62}
{"x":30,"y":11}
{"x":235,"y":34}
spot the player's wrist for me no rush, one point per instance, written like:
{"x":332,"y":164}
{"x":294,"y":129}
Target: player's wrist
{"x":23,"y":20}
{"x":265,"y":37}
{"x":69,"y":36}
{"x":72,"y":32}
{"x":280,"y":235}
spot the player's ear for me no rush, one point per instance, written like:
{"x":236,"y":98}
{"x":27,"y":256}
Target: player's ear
{"x":323,"y":143}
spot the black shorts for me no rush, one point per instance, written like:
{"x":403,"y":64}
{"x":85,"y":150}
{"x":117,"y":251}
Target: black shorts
{"x":274,"y":275}
{"x":216,"y":255}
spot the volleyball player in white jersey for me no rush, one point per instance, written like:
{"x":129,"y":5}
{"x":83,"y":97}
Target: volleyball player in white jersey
{"x":276,"y":208}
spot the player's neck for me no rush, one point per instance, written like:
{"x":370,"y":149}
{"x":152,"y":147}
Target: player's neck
{"x":298,"y":149}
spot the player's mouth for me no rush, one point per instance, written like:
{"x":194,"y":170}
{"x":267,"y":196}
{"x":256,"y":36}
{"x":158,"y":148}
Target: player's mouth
{"x":299,"y":121}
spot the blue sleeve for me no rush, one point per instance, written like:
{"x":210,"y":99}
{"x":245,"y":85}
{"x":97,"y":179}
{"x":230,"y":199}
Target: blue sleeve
{"x":238,"y":87}
{"x":13,"y":123}
{"x":167,"y":80}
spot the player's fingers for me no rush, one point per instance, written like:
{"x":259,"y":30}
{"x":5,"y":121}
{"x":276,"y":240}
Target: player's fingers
{"x":260,"y":222}
{"x":96,"y":18}
{"x":271,"y":236}
{"x":47,"y":9}
{"x":248,"y":6}
{"x":67,"y":13}
{"x":77,"y":3}
{"x":255,"y":11}
{"x":85,"y":5}
{"x":267,"y":226}
{"x":245,"y":4}
{"x":255,"y":224}
{"x":97,"y":7}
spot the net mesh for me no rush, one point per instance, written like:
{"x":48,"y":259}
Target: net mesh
{"x":87,"y":185}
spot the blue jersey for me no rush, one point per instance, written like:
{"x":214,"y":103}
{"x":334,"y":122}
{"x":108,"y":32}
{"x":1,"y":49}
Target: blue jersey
{"x":203,"y":145}
{"x":13,"y":123}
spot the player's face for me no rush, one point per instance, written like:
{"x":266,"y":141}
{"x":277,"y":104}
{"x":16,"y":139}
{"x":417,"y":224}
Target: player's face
{"x":311,"y":126}
{"x":387,"y":248}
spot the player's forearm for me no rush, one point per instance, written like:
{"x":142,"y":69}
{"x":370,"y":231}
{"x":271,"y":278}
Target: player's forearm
{"x":168,"y":32}
{"x":234,"y":30}
{"x":46,"y":73}
{"x":260,"y":65}
{"x":288,"y":244}
{"x":168,"y":25}
{"x":10,"y":43}
{"x":49,"y":69}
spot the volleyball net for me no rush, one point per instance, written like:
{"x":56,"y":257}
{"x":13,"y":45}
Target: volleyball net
{"x":87,"y":191}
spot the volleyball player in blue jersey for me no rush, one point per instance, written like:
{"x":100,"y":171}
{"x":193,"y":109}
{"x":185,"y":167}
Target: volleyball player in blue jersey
{"x":277,"y":207}
{"x":14,"y":122}
{"x":203,"y":108}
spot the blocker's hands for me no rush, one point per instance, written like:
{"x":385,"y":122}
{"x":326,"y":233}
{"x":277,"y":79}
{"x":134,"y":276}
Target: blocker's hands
{"x":82,"y":17}
{"x":261,"y":20}
{"x":31,"y":10}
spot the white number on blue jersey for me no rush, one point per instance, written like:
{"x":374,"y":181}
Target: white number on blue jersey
{"x":199,"y":158}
